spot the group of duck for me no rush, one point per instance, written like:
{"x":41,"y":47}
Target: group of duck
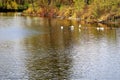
{"x":80,"y":26}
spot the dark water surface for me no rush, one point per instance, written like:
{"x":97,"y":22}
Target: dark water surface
{"x":33,"y":48}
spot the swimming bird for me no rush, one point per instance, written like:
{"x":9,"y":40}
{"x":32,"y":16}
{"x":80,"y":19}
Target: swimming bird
{"x":80,"y":26}
{"x":100,"y":28}
{"x":72,"y":27}
{"x":62,"y":27}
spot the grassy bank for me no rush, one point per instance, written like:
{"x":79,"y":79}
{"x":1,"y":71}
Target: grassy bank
{"x":91,"y":11}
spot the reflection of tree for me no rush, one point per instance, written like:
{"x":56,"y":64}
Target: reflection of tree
{"x":109,"y":31}
{"x":49,"y":56}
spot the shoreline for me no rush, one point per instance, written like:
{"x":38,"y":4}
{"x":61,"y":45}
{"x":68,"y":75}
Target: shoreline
{"x":111,"y":20}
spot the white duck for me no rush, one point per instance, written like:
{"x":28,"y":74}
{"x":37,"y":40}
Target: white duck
{"x":62,"y":27}
{"x":100,"y":28}
{"x":80,"y":26}
{"x":72,"y":28}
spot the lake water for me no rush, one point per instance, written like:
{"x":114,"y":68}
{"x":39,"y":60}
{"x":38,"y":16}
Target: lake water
{"x":33,"y":48}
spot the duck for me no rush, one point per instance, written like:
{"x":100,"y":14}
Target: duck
{"x":71,"y":27}
{"x":100,"y":28}
{"x":80,"y":26}
{"x":62,"y":27}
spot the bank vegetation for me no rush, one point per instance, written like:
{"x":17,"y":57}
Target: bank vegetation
{"x":88,"y":10}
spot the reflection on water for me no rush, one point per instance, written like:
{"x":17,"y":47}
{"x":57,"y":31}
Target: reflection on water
{"x":34,"y":48}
